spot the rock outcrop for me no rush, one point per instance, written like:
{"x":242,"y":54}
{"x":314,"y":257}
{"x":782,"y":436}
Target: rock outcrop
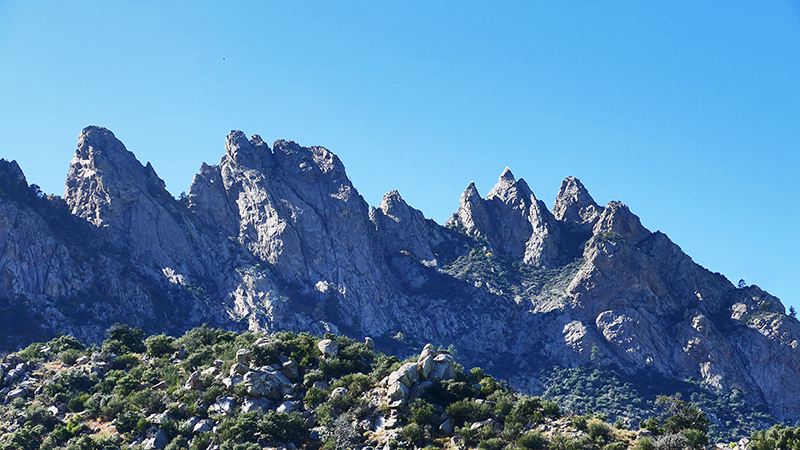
{"x":512,"y":219}
{"x":277,"y":238}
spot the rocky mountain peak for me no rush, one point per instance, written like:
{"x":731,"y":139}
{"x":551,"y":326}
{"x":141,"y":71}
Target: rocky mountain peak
{"x":575,"y":207}
{"x":279,"y":239}
{"x":509,"y":190}
{"x":471,"y":215}
{"x":512,"y":219}
{"x":10,"y":171}
{"x":248,"y":153}
{"x":108,"y":187}
{"x":618,"y":219}
{"x":104,"y":176}
{"x":403,"y":228}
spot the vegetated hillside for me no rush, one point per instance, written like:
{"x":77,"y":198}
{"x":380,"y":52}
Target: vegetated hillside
{"x":277,"y":238}
{"x":213,"y":389}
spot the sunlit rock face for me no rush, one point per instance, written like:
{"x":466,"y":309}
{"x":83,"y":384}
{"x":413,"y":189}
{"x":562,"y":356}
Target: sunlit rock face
{"x":278,"y":238}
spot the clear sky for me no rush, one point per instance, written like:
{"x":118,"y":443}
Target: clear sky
{"x":688,"y":112}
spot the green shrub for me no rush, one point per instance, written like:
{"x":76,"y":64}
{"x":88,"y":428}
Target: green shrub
{"x":127,"y":421}
{"x":468,"y":435}
{"x":579,"y":422}
{"x":551,"y":409}
{"x":644,"y":443}
{"x":468,"y":410}
{"x":615,"y":446}
{"x":414,"y":433}
{"x":598,"y":431}
{"x":124,"y":339}
{"x":492,"y":444}
{"x":315,"y":396}
{"x":160,"y":345}
{"x":420,"y":412}
{"x":69,"y":356}
{"x":125,"y":362}
{"x":533,"y":440}
{"x":76,"y":404}
{"x":65,"y":342}
{"x":696,"y":438}
{"x":31,"y":352}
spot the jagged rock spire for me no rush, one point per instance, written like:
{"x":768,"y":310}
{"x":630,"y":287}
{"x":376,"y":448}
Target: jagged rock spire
{"x":513,"y":220}
{"x":575,"y":207}
{"x":254,"y":153}
{"x":403,"y":228}
{"x":618,"y":219}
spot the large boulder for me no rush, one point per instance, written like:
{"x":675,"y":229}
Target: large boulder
{"x":193,"y":382}
{"x":444,"y":367}
{"x":328,"y":348}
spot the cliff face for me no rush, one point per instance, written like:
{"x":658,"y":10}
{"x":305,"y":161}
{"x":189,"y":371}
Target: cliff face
{"x":277,"y":238}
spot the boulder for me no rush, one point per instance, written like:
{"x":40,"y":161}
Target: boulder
{"x":287,"y":407}
{"x":424,"y":366}
{"x":255,"y":404}
{"x":193,"y":382}
{"x":370,"y":343}
{"x":158,"y":439}
{"x":203,"y":426}
{"x":338,"y":392}
{"x":211,"y":371}
{"x":231,"y":382}
{"x":244,"y":356}
{"x":289,"y":370}
{"x":444,"y":367}
{"x":397,"y":391}
{"x":406,"y":374}
{"x":238,"y":369}
{"x":223,"y":406}
{"x":328,"y":348}
{"x":15,"y":394}
{"x":447,"y":426}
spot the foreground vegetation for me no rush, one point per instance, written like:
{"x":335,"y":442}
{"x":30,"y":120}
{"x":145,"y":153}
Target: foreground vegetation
{"x":193,"y":392}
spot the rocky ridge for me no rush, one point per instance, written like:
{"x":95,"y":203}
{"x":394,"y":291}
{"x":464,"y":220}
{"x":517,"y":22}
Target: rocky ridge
{"x":278,"y":238}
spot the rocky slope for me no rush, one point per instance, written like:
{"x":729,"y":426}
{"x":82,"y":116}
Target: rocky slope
{"x":278,"y":238}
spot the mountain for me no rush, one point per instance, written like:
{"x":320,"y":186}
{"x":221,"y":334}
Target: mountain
{"x":277,"y":238}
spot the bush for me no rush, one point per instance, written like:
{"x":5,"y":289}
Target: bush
{"x":124,"y":339}
{"x":125,"y":362}
{"x":160,"y":345}
{"x":468,"y":410}
{"x":696,"y":438}
{"x":127,"y":421}
{"x":551,"y":409}
{"x":65,"y":342}
{"x":533,"y":440}
{"x":420,"y":412}
{"x":615,"y":446}
{"x":414,"y":433}
{"x":672,"y":442}
{"x":492,"y":444}
{"x":69,"y":356}
{"x":76,"y":404}
{"x":644,"y":443}
{"x":598,"y":431}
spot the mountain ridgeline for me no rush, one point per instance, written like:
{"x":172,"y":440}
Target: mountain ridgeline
{"x":276,"y":238}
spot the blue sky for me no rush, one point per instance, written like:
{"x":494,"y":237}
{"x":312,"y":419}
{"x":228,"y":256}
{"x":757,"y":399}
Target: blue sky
{"x":688,"y":112}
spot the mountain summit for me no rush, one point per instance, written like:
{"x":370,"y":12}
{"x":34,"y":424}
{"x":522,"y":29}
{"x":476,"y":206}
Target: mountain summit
{"x":277,"y":238}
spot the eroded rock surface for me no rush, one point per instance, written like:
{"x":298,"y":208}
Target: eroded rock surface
{"x":277,"y":238}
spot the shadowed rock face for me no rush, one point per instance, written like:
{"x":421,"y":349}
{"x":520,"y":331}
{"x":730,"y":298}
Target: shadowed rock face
{"x":277,"y":238}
